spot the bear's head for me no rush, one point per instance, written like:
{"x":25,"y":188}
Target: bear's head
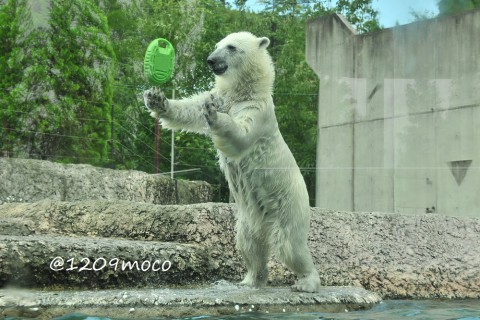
{"x":242,"y":57}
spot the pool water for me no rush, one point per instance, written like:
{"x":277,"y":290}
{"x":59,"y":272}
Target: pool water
{"x":386,"y":310}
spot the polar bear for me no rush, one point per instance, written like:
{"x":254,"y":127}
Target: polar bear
{"x":238,"y":114}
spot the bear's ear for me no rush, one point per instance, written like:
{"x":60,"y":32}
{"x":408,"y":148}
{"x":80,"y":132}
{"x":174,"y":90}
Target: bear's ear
{"x":263,"y":43}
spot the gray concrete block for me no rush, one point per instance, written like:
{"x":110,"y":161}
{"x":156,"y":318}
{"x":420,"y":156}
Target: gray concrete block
{"x":421,"y":81}
{"x":27,"y":180}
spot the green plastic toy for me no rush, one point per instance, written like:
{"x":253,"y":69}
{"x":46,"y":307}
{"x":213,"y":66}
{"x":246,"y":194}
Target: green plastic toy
{"x":159,"y":61}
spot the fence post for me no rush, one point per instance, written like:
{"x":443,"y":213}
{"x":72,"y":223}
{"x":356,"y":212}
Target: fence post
{"x":157,"y":145}
{"x":112,"y":136}
{"x":172,"y":153}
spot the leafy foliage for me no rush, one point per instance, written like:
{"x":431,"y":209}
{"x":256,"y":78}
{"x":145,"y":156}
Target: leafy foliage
{"x":456,"y":6}
{"x":446,"y":7}
{"x":58,"y":103}
{"x":11,"y":74}
{"x":68,"y":82}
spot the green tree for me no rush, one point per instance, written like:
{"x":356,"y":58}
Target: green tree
{"x":446,"y":7}
{"x":10,"y":74}
{"x":25,"y":74}
{"x":296,"y":85}
{"x":421,"y":15}
{"x":130,"y":148}
{"x":359,"y":13}
{"x":133,"y":25}
{"x":59,"y":81}
{"x":71,"y":71}
{"x":83,"y":59}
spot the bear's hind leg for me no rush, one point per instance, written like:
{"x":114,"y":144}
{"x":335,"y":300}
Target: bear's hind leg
{"x":294,"y":252}
{"x":255,"y":252}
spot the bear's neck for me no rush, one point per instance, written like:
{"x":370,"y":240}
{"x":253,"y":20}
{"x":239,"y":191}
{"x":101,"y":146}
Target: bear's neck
{"x":249,"y":87}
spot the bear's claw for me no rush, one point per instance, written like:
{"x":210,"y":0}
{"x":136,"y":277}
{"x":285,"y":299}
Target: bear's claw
{"x":210,"y":110}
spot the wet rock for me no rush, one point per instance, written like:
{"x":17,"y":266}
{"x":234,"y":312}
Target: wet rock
{"x":397,"y":256}
{"x":207,"y":224}
{"x":221,"y":298}
{"x":55,"y":262}
{"x":16,"y":226}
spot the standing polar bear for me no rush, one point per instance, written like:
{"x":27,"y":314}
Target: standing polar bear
{"x":263,"y":177}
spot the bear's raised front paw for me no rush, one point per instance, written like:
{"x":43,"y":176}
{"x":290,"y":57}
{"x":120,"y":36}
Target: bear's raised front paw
{"x":155,"y":101}
{"x":210,"y":110}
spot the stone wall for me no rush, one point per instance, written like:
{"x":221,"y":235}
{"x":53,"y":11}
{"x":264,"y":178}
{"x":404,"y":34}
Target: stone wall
{"x":397,"y":256}
{"x":23,"y":180}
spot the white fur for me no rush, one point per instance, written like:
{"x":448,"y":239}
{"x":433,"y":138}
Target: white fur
{"x":264,"y":179}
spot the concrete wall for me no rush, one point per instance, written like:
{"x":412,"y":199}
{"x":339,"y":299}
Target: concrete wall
{"x":399,"y":115}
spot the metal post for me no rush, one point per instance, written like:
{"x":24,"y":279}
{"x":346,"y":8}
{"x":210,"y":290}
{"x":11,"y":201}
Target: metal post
{"x":172,"y":153}
{"x":157,"y":143}
{"x":112,"y":136}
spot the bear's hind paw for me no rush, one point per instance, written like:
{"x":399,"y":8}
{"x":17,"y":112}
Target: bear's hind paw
{"x":307,"y":284}
{"x":252,"y":282}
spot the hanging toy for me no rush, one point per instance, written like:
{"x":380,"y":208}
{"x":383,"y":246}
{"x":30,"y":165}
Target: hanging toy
{"x":159,"y":61}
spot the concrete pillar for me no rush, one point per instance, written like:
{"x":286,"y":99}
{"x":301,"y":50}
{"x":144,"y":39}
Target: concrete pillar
{"x":399,"y":115}
{"x":330,"y":54}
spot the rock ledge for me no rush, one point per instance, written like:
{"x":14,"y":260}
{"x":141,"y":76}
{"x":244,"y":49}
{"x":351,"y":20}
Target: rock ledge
{"x":221,"y":298}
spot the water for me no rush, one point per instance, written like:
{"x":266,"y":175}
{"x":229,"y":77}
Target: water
{"x":386,"y":310}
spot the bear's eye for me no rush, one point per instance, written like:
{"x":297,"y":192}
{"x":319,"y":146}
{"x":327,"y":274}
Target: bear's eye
{"x":231,"y":48}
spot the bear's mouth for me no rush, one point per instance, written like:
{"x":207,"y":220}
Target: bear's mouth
{"x":219,"y":69}
{"x":218,"y":65}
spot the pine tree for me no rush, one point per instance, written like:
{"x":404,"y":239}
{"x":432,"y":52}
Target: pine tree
{"x":82,"y":61}
{"x":58,"y":78}
{"x":9,"y":73}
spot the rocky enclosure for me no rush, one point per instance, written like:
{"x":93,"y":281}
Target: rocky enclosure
{"x":127,"y":241}
{"x":397,"y":256}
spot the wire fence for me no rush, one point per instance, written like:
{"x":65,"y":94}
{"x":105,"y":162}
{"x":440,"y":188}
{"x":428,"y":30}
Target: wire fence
{"x":120,"y":149}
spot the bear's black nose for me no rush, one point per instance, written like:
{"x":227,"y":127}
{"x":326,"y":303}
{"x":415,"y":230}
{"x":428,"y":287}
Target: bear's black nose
{"x":211,"y":61}
{"x":217,"y":64}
